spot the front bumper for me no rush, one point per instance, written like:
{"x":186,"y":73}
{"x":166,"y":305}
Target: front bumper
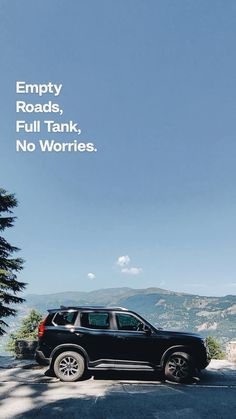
{"x":204,"y":359}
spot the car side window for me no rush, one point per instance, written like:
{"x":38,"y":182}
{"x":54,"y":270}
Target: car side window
{"x":65,"y":318}
{"x":128,"y":322}
{"x":95,"y":320}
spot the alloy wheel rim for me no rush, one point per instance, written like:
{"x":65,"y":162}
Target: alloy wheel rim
{"x":178,"y":367}
{"x":69,"y":366}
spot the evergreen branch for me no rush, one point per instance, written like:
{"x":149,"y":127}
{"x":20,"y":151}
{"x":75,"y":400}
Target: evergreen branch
{"x":7,"y":311}
{"x":6,"y":222}
{"x":9,"y":298}
{"x":11,"y":264}
{"x":7,"y":201}
{"x":4,"y":245}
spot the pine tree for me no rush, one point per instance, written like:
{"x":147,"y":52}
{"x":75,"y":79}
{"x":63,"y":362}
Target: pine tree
{"x":9,"y":265}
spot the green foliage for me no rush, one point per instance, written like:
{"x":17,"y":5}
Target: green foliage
{"x":214,"y":348}
{"x":28,"y":329}
{"x":9,"y":265}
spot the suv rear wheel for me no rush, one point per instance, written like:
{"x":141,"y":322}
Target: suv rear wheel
{"x":179,"y":367}
{"x":69,"y":366}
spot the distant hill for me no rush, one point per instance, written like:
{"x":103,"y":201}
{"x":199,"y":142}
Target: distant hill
{"x":171,"y":310}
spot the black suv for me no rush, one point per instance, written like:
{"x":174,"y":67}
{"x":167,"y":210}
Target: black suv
{"x":75,"y":339}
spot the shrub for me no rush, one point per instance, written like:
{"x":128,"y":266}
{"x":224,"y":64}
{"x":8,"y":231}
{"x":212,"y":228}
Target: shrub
{"x":28,"y":329}
{"x":214,"y":348}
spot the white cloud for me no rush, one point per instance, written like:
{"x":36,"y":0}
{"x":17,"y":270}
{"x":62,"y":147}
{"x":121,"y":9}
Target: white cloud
{"x":123,"y":260}
{"x":91,"y":275}
{"x":131,"y":271}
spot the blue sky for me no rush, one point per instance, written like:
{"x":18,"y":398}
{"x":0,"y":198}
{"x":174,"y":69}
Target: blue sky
{"x":153,"y":85}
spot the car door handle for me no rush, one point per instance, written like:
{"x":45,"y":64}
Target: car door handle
{"x":121,"y":337}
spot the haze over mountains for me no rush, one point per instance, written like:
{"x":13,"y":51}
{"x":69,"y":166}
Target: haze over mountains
{"x":171,"y":310}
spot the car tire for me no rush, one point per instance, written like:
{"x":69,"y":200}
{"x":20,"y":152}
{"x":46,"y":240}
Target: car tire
{"x":179,"y":367}
{"x":69,"y":366}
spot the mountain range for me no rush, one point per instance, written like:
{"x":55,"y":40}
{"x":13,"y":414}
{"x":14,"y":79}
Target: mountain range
{"x":214,"y":316}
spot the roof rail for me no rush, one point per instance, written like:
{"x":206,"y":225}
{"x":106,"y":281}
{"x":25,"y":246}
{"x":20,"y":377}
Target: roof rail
{"x":88,"y":307}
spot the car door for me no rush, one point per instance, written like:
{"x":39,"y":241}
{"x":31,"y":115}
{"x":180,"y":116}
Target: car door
{"x":95,"y":335}
{"x":135,"y":341}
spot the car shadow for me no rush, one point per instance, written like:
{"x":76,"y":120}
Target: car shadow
{"x":205,"y":377}
{"x":137,"y":376}
{"x":116,"y":375}
{"x":127,"y":375}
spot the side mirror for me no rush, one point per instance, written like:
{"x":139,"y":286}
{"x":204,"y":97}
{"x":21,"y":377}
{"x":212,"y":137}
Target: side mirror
{"x":147,"y":330}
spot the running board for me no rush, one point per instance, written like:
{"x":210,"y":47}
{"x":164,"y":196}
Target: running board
{"x":123,"y":367}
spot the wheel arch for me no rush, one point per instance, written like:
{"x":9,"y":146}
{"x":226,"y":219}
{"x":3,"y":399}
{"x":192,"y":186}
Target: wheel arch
{"x":69,"y":347}
{"x":177,"y":348}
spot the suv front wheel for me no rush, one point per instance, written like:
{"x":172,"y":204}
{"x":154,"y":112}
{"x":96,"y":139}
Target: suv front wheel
{"x":69,"y":366}
{"x":179,"y":367}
